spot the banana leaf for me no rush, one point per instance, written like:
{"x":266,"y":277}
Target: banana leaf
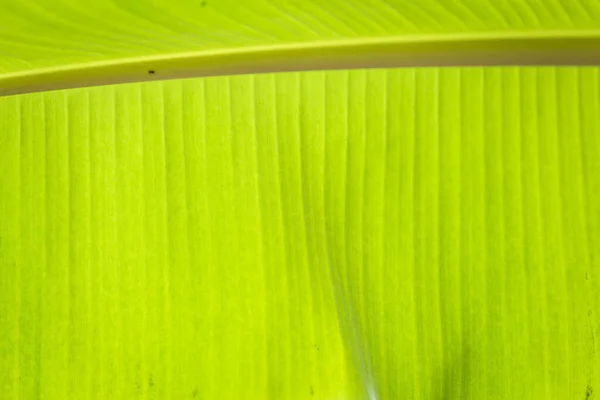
{"x":283,"y":232}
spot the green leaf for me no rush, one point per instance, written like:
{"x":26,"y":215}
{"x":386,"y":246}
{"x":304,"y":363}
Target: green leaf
{"x":415,"y":233}
{"x":58,"y":44}
{"x":429,"y":233}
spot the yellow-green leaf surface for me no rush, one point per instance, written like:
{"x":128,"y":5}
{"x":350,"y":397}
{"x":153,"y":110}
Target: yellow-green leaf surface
{"x":50,"y":44}
{"x":381,"y":234}
{"x":46,"y":33}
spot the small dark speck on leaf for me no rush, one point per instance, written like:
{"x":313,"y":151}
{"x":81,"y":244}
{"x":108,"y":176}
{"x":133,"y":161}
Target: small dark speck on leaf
{"x":150,"y":381}
{"x":203,"y":4}
{"x":588,"y":392}
{"x":312,"y":391}
{"x":151,"y":72}
{"x":195,"y":393}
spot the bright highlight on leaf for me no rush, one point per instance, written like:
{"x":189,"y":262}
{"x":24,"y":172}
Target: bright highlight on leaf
{"x":395,"y":233}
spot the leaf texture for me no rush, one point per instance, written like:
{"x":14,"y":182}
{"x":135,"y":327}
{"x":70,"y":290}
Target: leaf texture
{"x":415,"y":233}
{"x":37,"y":35}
